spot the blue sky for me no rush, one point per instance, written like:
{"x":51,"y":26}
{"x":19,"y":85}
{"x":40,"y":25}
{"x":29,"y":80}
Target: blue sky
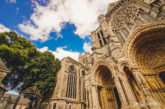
{"x":60,"y":26}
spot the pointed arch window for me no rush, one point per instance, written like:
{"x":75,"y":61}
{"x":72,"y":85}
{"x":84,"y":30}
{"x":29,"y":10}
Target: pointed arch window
{"x":99,"y":40}
{"x":103,"y":36}
{"x":72,"y":83}
{"x":83,"y":85}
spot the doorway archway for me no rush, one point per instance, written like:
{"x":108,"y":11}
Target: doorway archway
{"x":107,"y":93}
{"x":146,"y":51}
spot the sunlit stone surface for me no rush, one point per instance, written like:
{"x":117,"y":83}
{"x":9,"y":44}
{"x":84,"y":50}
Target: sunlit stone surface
{"x":127,"y":67}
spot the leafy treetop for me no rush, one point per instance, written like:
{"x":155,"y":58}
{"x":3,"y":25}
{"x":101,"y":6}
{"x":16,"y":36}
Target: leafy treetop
{"x":28,"y":66}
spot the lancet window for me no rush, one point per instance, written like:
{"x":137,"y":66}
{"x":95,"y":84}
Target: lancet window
{"x":101,"y":38}
{"x":72,"y":83}
{"x":83,"y":85}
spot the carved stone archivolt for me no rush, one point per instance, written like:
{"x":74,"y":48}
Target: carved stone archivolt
{"x":104,"y":63}
{"x":135,"y":36}
{"x":143,"y":48}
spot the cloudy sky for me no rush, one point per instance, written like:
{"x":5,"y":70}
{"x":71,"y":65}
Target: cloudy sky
{"x":60,"y":26}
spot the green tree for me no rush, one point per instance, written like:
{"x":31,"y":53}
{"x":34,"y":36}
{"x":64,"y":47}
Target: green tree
{"x":42,"y":73}
{"x":28,"y":66}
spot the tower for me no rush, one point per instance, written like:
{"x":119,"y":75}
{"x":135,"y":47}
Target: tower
{"x":127,"y":67}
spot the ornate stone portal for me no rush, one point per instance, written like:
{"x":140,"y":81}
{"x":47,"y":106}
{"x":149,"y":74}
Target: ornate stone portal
{"x":127,"y":67}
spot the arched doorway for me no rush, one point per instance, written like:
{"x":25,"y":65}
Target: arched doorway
{"x":107,"y":92}
{"x":147,"y":52}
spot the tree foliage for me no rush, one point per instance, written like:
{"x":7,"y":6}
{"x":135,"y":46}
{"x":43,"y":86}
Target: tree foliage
{"x":28,"y":66}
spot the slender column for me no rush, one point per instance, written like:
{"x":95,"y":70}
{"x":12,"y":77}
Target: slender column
{"x":103,"y":98}
{"x":87,"y":99}
{"x":141,"y":81}
{"x":128,"y":91}
{"x":95,"y":98}
{"x":142,"y":84}
{"x":90,"y":99}
{"x":72,"y":79}
{"x":38,"y":103}
{"x":120,"y":91}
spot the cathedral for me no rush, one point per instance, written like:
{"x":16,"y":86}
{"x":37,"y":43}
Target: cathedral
{"x":127,"y":67}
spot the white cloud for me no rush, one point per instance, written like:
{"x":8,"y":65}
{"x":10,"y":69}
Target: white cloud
{"x":43,"y":49}
{"x":3,"y":28}
{"x":12,"y":1}
{"x":52,"y":17}
{"x":61,"y":52}
{"x":87,"y":47}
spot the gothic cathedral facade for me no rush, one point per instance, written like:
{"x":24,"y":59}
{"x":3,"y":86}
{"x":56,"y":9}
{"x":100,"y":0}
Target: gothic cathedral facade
{"x":127,"y":67}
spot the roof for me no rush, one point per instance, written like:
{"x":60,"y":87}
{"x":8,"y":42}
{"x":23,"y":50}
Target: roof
{"x":3,"y":67}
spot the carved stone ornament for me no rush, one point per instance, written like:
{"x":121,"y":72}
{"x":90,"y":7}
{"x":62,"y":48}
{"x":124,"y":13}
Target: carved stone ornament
{"x":123,"y":17}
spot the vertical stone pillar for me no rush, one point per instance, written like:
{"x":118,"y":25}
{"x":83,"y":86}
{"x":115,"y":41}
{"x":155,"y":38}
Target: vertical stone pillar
{"x":90,"y":99}
{"x":95,"y":98}
{"x":120,"y":92}
{"x":103,"y":98}
{"x":128,"y":91}
{"x":38,"y":103}
{"x":149,"y":101}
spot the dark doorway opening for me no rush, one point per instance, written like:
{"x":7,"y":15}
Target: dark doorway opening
{"x":162,"y":76}
{"x":117,"y":98}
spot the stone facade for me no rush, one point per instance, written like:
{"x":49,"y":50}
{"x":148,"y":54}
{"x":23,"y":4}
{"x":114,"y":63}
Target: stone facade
{"x":127,"y":67}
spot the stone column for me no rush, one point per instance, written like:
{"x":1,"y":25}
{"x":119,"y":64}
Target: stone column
{"x":95,"y":98}
{"x":128,"y":91}
{"x":149,"y":101}
{"x":120,"y":92}
{"x":38,"y":103}
{"x":90,"y":99}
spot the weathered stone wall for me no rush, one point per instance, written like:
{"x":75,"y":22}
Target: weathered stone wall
{"x":128,"y":57}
